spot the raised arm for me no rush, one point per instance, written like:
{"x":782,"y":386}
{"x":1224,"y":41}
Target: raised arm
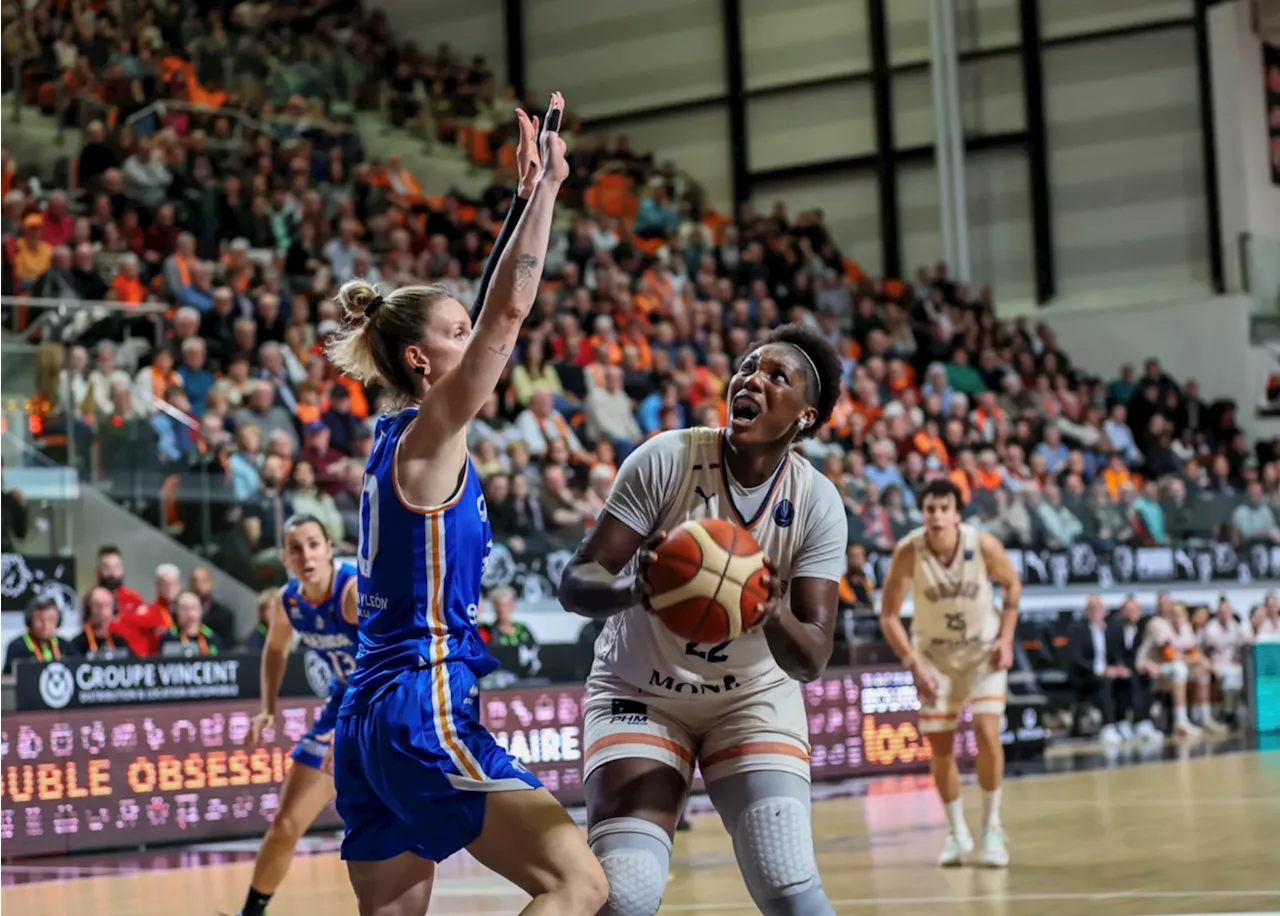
{"x":451,"y":403}
{"x":529,"y":166}
{"x":1001,"y":570}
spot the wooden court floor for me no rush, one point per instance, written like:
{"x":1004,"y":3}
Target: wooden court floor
{"x":1189,"y":836}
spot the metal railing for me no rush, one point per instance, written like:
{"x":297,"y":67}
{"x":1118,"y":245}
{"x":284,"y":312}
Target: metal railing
{"x":66,"y":320}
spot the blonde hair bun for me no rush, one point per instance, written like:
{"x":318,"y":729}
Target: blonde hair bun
{"x":355,"y":297}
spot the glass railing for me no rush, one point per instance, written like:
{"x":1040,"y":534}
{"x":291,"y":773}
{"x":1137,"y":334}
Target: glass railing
{"x":41,"y":494}
{"x":157,"y":462}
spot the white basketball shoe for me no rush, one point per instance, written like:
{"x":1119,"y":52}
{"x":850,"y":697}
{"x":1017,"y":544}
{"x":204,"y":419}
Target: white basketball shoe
{"x":994,"y":852}
{"x":956,"y":850}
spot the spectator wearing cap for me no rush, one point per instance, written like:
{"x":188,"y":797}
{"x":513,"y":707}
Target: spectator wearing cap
{"x":32,"y":255}
{"x":41,"y":640}
{"x":327,"y":460}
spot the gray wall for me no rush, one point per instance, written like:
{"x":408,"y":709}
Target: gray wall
{"x":1125,"y":164}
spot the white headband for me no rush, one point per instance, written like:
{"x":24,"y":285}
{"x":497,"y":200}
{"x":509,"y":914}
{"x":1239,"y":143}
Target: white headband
{"x":812,"y":365}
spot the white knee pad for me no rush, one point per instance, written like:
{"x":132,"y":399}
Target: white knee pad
{"x":1176,"y":672}
{"x":774,"y":841}
{"x":636,"y":856}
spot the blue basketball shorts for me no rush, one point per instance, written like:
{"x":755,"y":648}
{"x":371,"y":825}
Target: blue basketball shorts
{"x":311,"y":750}
{"x":413,"y":768}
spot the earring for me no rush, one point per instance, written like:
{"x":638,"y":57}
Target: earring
{"x":420,"y":370}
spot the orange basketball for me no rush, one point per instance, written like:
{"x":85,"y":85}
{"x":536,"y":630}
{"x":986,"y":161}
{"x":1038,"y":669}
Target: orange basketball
{"x":707,"y":581}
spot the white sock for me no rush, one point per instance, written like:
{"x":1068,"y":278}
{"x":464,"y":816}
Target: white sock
{"x":955,"y":817}
{"x":1180,"y":715}
{"x":1204,"y":712}
{"x":991,"y":809}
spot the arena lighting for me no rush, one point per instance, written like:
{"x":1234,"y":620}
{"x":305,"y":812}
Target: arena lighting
{"x":125,"y":776}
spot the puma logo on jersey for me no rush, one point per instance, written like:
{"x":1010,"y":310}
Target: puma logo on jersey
{"x":952,"y":591}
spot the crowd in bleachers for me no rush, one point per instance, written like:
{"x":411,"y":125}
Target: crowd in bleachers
{"x":210,"y":408}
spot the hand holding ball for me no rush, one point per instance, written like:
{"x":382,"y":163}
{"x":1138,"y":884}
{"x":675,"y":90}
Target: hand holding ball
{"x":707,"y":581}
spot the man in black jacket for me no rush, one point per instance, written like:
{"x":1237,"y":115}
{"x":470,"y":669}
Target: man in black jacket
{"x":1104,"y":671}
{"x":40,"y":641}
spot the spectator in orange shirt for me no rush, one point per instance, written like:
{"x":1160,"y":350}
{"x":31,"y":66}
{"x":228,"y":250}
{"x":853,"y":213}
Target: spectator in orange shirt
{"x":606,"y":337}
{"x":32,"y":255}
{"x":127,"y":286}
{"x":1116,"y":476}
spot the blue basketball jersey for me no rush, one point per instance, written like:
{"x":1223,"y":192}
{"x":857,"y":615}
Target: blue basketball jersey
{"x":321,"y":627}
{"x":420,"y":570}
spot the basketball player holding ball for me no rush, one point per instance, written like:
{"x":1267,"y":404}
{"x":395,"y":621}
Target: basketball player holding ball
{"x":658,"y":703}
{"x":960,"y":651}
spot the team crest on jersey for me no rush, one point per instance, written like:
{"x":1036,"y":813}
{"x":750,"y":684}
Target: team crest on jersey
{"x":784,"y":514}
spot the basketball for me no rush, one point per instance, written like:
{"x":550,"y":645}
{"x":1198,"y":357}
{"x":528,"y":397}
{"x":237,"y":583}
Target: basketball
{"x":708,"y":581}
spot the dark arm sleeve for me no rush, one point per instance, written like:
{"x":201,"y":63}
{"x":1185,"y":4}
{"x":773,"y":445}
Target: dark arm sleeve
{"x":518,"y":204}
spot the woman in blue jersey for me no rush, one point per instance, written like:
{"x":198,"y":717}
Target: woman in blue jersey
{"x":418,"y":777}
{"x":319,"y":604}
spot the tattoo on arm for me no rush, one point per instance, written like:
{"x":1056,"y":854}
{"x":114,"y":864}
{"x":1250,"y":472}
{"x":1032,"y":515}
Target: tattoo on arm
{"x":501,"y":350}
{"x":526,"y":264}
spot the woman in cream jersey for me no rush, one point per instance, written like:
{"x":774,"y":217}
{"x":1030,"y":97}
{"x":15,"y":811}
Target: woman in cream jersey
{"x":657,"y":704}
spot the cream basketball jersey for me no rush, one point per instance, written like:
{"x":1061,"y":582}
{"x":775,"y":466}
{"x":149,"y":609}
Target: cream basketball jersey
{"x":954,"y":603}
{"x":679,"y":476}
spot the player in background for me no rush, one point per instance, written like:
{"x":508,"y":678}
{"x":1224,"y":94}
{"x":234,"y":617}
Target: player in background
{"x":960,"y":651}
{"x":1170,"y":652}
{"x":418,"y":776}
{"x":656,"y":704}
{"x":318,"y":603}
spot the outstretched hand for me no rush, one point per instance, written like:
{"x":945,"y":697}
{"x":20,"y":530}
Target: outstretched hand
{"x":528,"y":156}
{"x":554,"y":164}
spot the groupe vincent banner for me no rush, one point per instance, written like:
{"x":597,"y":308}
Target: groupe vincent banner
{"x":119,"y":777}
